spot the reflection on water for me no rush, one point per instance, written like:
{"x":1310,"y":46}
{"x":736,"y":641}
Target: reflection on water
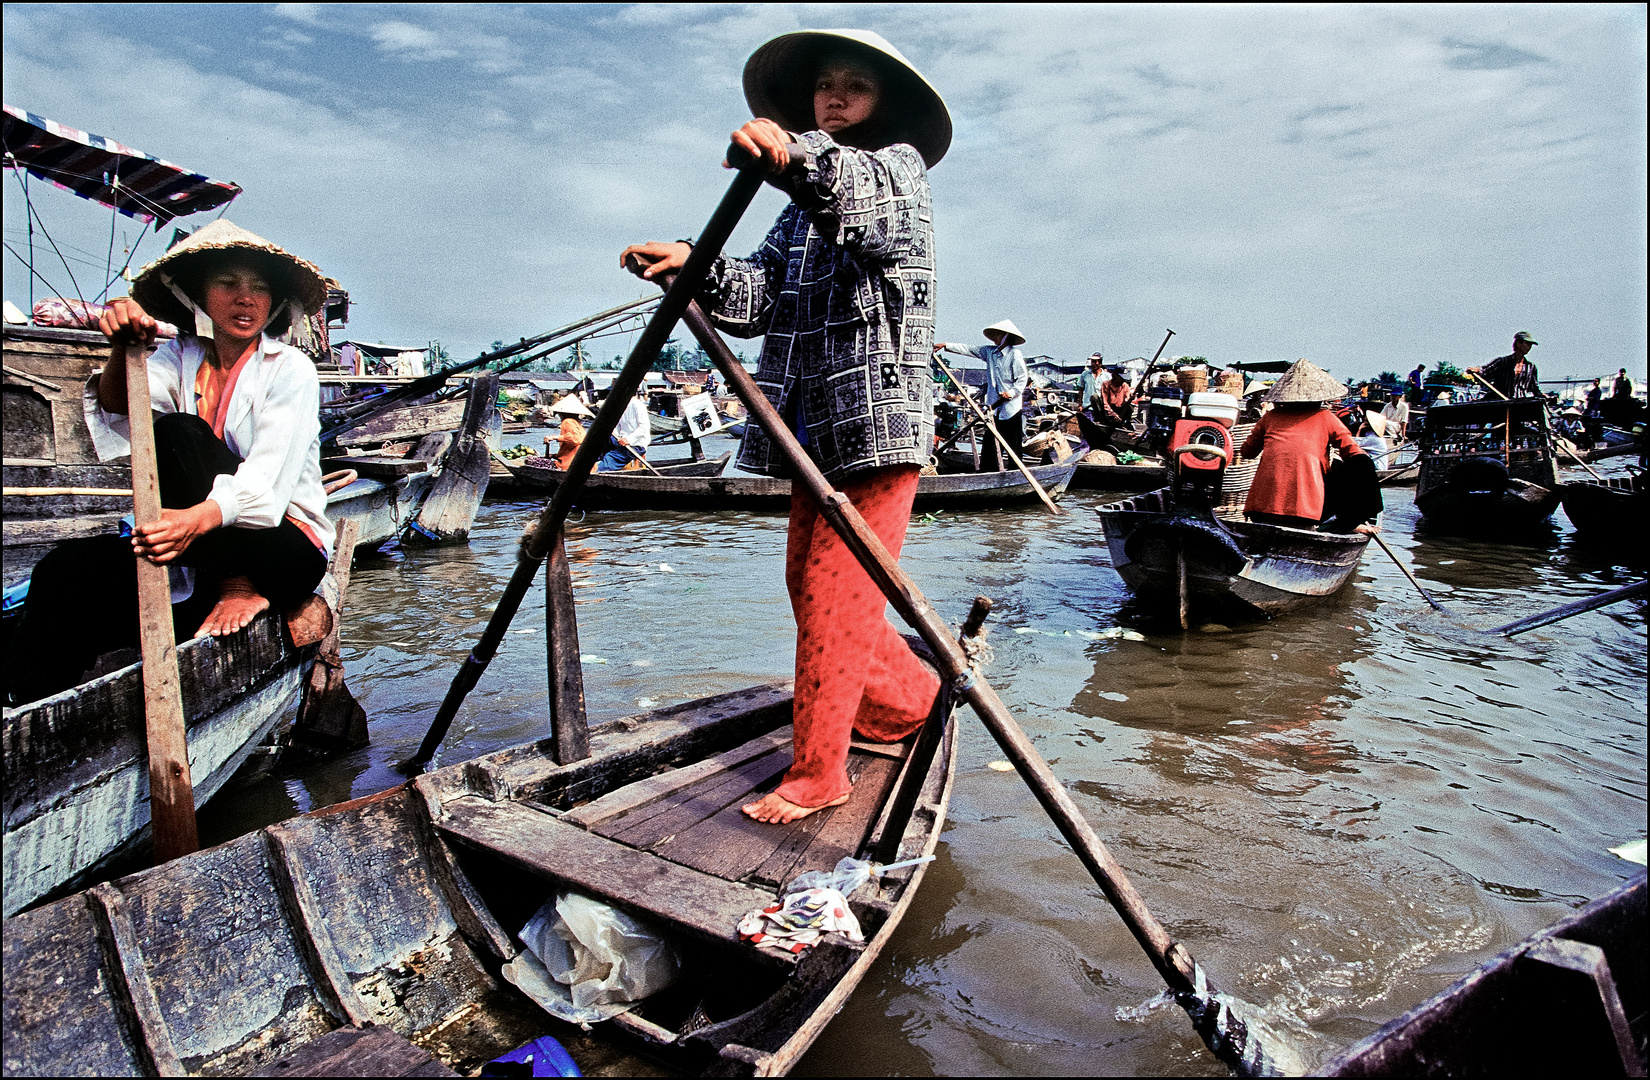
{"x":1339,"y":811}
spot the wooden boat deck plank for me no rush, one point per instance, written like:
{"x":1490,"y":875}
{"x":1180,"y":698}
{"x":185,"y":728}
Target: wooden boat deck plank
{"x":730,"y":845}
{"x":352,"y":1051}
{"x":839,"y":835}
{"x":54,"y":972}
{"x":707,"y":906}
{"x":649,"y":826}
{"x":655,"y":788}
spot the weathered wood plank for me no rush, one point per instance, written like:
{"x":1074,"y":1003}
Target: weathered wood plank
{"x":378,"y":468}
{"x":569,"y":725}
{"x":57,"y":1002}
{"x":227,"y":973}
{"x":409,"y":423}
{"x":354,"y":1051}
{"x":654,"y":788}
{"x":129,"y":980}
{"x":655,"y":888}
{"x":654,"y":825}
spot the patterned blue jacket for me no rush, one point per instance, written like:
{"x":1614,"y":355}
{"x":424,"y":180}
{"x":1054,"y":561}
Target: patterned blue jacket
{"x":843,"y":289}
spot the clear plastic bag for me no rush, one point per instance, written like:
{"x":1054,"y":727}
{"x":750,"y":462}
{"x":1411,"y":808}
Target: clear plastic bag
{"x":849,"y":875}
{"x":587,"y":961}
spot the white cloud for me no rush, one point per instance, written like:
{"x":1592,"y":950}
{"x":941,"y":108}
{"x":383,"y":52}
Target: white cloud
{"x":1367,"y":186}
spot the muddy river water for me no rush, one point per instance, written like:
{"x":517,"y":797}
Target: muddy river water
{"x":1339,"y":811}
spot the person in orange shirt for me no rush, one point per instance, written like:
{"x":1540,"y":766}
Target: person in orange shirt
{"x":1293,"y":441}
{"x":572,"y":431}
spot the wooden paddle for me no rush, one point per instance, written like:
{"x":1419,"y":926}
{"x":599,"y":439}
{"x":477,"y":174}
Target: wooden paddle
{"x":171,"y":791}
{"x":1564,"y":611}
{"x":1223,"y":1031}
{"x":1393,"y":555}
{"x":1002,"y":443}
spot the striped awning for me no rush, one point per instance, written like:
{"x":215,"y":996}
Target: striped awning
{"x":134,"y":183}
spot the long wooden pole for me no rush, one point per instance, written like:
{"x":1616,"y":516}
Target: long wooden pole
{"x":1393,"y":555}
{"x":1002,"y":443}
{"x":544,"y":533}
{"x":1564,"y":611}
{"x":1224,"y":1033}
{"x":171,"y":791}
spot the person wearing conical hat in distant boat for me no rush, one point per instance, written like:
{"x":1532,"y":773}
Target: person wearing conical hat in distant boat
{"x":842,"y":291}
{"x":1293,"y":441}
{"x":1514,"y":374}
{"x":571,"y":410}
{"x":237,"y":441}
{"x":1006,"y":379}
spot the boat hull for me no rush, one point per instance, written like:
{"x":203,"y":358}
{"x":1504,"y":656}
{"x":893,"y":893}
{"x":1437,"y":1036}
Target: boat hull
{"x":1609,"y":511}
{"x":1268,"y":569}
{"x":396,"y":911}
{"x":1471,"y":480}
{"x":77,"y":790}
{"x":638,"y":490}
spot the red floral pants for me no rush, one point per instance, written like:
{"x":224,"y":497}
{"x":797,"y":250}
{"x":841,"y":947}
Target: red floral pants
{"x":853,"y":670}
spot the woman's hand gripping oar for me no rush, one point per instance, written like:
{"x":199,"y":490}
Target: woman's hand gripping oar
{"x":1224,"y":1032}
{"x":1002,"y":443}
{"x":171,"y":790}
{"x":545,"y":533}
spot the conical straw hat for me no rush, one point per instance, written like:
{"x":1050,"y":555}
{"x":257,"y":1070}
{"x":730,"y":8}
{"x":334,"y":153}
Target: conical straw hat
{"x":302,"y":280}
{"x":1377,"y":422}
{"x":1008,"y":330}
{"x":779,"y":81}
{"x":1305,"y":381}
{"x":570,"y":406}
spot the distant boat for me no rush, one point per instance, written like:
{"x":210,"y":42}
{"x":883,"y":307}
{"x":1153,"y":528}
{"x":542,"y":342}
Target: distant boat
{"x":1614,"y":511}
{"x":1474,"y":479}
{"x":1183,"y":559}
{"x":681,"y":489}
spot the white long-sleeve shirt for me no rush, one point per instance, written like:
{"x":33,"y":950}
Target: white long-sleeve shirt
{"x":1005,"y":372}
{"x":633,"y":426}
{"x":273,"y":426}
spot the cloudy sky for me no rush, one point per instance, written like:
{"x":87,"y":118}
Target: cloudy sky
{"x":1370,"y":187}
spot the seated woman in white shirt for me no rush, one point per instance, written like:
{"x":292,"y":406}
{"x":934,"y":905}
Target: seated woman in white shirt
{"x":237,"y":440}
{"x":627,"y":446}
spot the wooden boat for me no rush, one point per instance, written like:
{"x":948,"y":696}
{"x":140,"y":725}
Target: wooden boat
{"x":1213,"y":559}
{"x":76,"y":764}
{"x":1475,"y":479}
{"x":1614,"y":510}
{"x":401,"y":910}
{"x":637,"y":490}
{"x":1568,"y":1000}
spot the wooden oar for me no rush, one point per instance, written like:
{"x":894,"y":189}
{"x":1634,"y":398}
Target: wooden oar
{"x":1002,"y":443}
{"x":1564,"y":611}
{"x":1507,"y":439}
{"x":1393,"y":555}
{"x":545,"y":533}
{"x":1225,"y":1033}
{"x":329,"y":716}
{"x":171,"y":791}
{"x":643,"y":460}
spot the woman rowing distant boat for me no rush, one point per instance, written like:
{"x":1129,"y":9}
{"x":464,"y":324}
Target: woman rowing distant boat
{"x":237,"y":441}
{"x":843,"y":290}
{"x":1293,"y":441}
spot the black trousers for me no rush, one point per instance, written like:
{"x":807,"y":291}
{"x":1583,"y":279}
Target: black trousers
{"x":83,"y":595}
{"x":1013,"y":432}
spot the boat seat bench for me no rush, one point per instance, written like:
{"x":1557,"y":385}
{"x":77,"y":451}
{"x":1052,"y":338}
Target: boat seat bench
{"x":610,"y":871}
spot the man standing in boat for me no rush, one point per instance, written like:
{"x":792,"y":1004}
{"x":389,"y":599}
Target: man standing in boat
{"x":1514,"y":374}
{"x":842,"y":294}
{"x":1006,"y":379}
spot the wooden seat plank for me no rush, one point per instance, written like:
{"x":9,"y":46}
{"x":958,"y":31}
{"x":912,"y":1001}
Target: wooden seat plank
{"x":353,"y":1051}
{"x":638,"y":881}
{"x":642,"y":793}
{"x":842,"y":835}
{"x":732,"y":846}
{"x":650,"y":825}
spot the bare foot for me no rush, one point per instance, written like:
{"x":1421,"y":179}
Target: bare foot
{"x":774,"y":808}
{"x":238,"y":604}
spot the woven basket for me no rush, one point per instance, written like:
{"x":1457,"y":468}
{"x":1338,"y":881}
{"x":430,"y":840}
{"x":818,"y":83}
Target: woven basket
{"x":1193,"y":380}
{"x":1230,"y":382}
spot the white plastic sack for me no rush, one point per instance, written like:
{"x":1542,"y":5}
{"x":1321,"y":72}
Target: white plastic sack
{"x":586,"y":961}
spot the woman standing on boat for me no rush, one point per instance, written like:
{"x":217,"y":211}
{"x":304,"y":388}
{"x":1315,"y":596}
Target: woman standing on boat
{"x":1293,"y":440}
{"x":237,"y":444}
{"x":843,"y":290}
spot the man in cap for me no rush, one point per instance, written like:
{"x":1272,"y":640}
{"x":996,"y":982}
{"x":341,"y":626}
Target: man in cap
{"x":1514,"y":374}
{"x":1396,"y":415}
{"x":1006,"y":379}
